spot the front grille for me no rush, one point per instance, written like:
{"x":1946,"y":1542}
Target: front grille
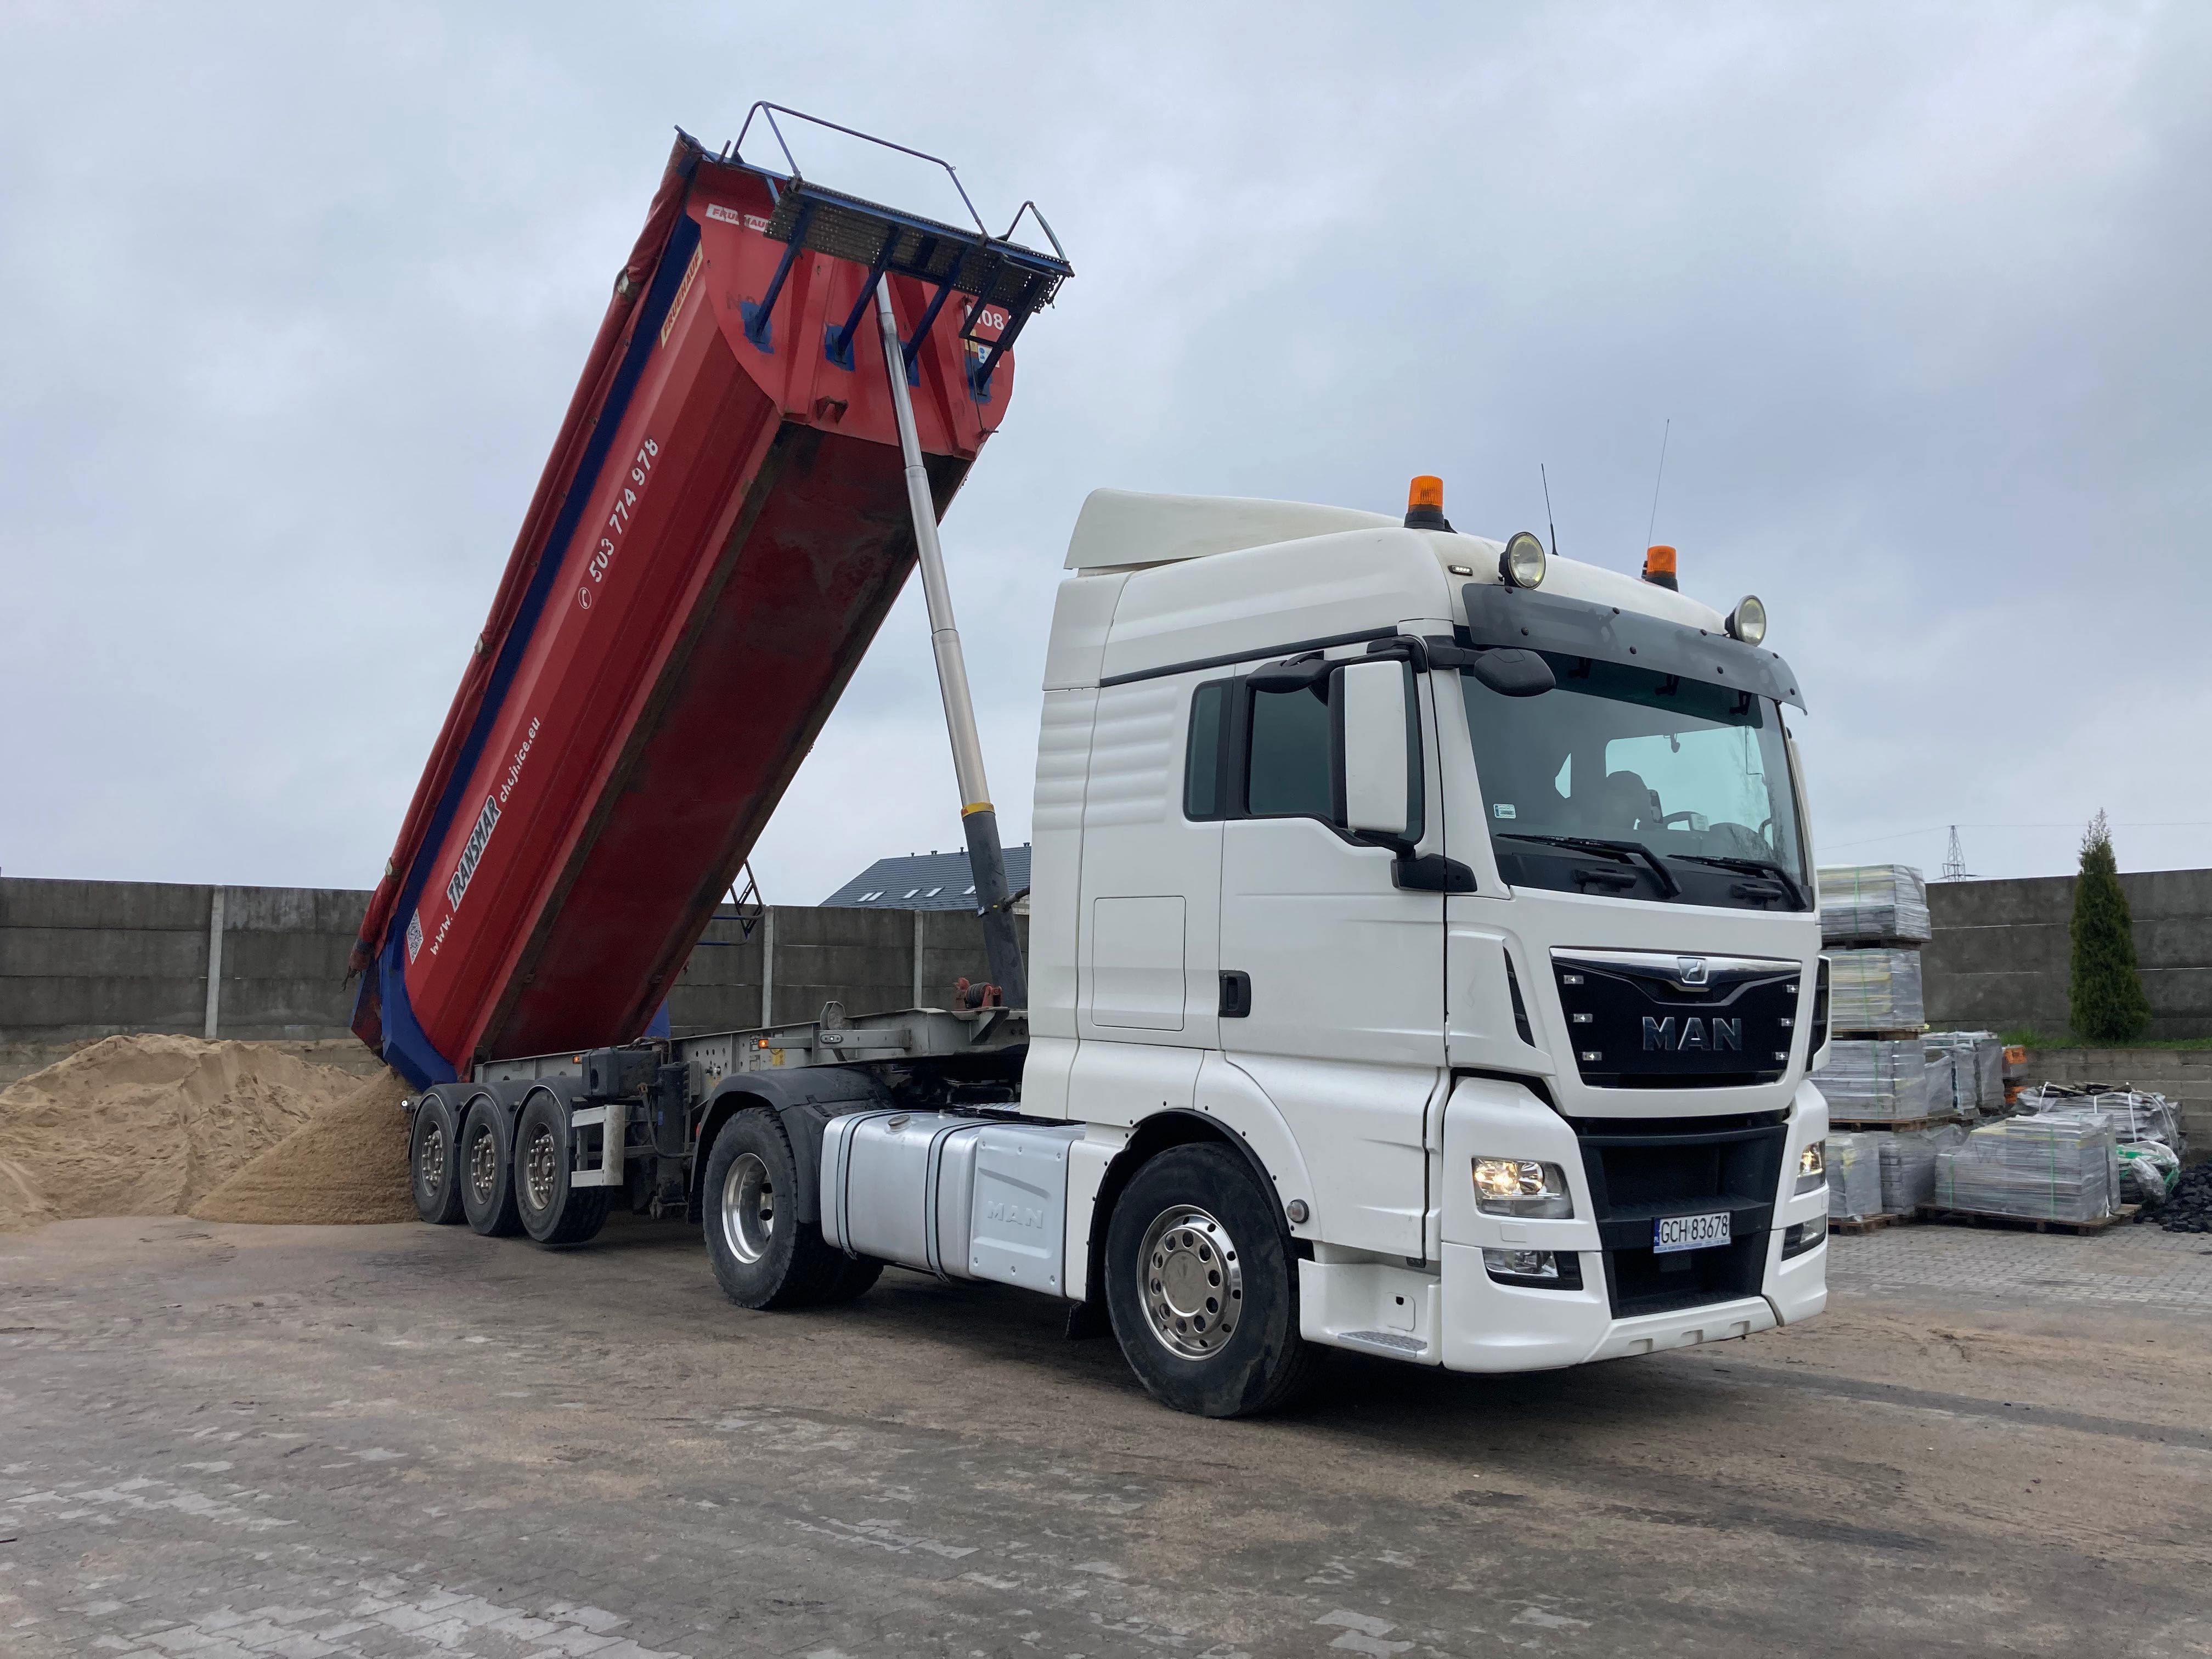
{"x":1642,"y":1019}
{"x":1643,"y":1170}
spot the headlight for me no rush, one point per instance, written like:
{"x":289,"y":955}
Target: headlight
{"x":1521,"y":563}
{"x":1747,"y":621}
{"x":1812,"y":1169}
{"x":1517,"y":1186}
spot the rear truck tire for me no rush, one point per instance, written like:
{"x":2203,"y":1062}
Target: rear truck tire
{"x":486,"y":1174}
{"x":1201,"y":1286}
{"x":434,"y":1162}
{"x":763,"y":1255}
{"x":553,"y":1212}
{"x":856,"y":1277}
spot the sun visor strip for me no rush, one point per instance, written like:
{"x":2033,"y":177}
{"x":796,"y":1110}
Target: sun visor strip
{"x":1500,"y":616}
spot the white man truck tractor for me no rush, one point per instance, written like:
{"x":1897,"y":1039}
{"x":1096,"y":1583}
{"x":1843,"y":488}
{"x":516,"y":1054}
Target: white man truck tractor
{"x":1423,"y":962}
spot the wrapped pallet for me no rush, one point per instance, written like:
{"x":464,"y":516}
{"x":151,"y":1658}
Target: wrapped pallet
{"x":1877,"y":1079}
{"x":1873,"y":904}
{"x":1908,"y":1165}
{"x":1874,"y":990}
{"x":2063,"y":1167}
{"x":1943,"y":1084}
{"x":1854,"y":1175}
{"x":1977,"y":1058}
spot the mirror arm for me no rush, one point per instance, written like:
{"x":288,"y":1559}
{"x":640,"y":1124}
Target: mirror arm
{"x":1431,"y":872}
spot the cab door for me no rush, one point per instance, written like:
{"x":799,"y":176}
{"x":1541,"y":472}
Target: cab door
{"x":1333,"y":974}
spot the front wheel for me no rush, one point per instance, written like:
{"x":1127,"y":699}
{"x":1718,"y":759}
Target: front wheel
{"x":1199,"y":1285}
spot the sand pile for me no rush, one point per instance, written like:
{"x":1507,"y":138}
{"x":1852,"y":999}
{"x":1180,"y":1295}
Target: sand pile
{"x":346,"y":1163}
{"x":148,"y":1125}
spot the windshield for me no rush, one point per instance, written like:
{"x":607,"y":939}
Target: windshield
{"x":1690,"y":782}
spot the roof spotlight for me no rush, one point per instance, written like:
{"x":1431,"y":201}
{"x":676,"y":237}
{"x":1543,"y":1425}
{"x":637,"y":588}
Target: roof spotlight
{"x":1521,"y":563}
{"x":1747,"y":621}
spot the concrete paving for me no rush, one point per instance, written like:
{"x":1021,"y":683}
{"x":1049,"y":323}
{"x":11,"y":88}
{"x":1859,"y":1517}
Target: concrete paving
{"x":384,"y":1441}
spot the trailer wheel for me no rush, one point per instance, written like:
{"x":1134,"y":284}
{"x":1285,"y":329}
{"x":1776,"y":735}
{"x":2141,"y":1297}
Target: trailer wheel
{"x":763,"y":1255}
{"x":486,"y":1171}
{"x":1199,"y":1287}
{"x":553,"y":1212}
{"x":433,"y":1163}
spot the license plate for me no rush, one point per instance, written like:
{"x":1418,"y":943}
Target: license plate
{"x":1689,"y":1232}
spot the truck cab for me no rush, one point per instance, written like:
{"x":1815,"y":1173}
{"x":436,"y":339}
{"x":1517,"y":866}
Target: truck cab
{"x":1465,"y":900}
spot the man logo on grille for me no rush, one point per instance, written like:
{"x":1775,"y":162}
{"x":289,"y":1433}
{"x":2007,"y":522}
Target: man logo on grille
{"x":1692,"y":969}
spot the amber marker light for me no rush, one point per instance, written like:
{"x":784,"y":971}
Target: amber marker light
{"x":1659,"y":567}
{"x":1424,"y":504}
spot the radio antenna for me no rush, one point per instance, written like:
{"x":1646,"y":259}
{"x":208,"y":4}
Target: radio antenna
{"x":1650,"y":528}
{"x":1548,"y":525}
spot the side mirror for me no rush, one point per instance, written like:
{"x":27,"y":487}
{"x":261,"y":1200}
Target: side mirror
{"x":1375,"y":717}
{"x":1512,"y":672}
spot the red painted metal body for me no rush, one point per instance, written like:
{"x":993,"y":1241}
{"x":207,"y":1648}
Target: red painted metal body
{"x":716,"y":538}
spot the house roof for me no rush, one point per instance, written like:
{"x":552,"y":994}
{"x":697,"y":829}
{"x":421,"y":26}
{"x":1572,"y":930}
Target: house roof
{"x":924,"y":881}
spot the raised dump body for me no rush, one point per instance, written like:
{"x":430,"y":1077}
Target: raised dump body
{"x":721,"y":526}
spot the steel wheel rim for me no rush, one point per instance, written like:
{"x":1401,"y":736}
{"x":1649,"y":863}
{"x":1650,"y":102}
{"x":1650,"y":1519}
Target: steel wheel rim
{"x":484,"y":1166}
{"x":748,"y":1208}
{"x":1192,"y":1286}
{"x":541,"y":1168}
{"x":431,"y":1161}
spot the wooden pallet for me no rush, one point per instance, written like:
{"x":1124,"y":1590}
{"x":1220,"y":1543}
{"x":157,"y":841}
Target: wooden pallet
{"x":2031,"y":1223}
{"x":1858,"y":1126}
{"x":1868,"y":1224}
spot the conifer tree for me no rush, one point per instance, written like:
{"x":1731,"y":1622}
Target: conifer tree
{"x":2105,"y":994}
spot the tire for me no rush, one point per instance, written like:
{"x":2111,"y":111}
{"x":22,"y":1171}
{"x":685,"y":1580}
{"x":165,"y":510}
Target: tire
{"x":485,"y":1173}
{"x":553,"y":1212}
{"x":434,"y":1162}
{"x":1201,"y":1286}
{"x":763,"y":1255}
{"x":856,"y":1277}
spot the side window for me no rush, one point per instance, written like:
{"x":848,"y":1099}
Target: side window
{"x":1287,"y":754}
{"x":1206,"y":757}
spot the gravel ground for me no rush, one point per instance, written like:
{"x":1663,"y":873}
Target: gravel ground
{"x":401,"y":1440}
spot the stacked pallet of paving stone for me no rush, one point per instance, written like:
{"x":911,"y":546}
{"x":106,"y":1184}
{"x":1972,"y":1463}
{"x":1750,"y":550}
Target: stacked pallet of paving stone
{"x":1908,"y":1164}
{"x":1873,"y":904}
{"x":2061,"y":1166}
{"x":1976,"y":1060}
{"x":1877,"y":1080}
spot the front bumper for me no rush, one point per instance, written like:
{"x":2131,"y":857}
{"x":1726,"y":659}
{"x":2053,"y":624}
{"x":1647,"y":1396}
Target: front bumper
{"x":1459,"y":1316}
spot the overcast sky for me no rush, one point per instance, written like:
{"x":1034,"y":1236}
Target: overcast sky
{"x":295,"y":297}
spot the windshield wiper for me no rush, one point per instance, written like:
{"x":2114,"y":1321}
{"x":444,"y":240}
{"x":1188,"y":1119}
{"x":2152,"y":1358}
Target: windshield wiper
{"x":1754,"y":867}
{"x":1627,"y":852}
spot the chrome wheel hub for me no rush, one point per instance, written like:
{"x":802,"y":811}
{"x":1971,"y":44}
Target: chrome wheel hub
{"x":483,"y":1167}
{"x":748,"y":1208}
{"x":1193,"y":1287}
{"x":430,"y":1161}
{"x":541,"y":1168}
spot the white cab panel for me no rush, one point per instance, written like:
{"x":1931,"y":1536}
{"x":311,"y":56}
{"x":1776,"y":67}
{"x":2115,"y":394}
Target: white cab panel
{"x":1081,"y":613}
{"x":1138,"y":846}
{"x":1252,"y":602}
{"x":1056,"y":858}
{"x":1135,"y":968}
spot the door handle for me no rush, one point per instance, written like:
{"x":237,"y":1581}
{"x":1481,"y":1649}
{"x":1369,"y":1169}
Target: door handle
{"x":1235,"y":994}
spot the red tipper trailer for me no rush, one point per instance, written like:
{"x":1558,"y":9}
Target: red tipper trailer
{"x":721,"y":526}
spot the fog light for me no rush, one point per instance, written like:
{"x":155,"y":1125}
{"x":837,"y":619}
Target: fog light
{"x":1519,"y":1185}
{"x":1803,"y":1237}
{"x":1812,"y":1171}
{"x":1522,"y":1264}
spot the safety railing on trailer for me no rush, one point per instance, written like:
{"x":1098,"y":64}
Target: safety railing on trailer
{"x":1007,"y":281}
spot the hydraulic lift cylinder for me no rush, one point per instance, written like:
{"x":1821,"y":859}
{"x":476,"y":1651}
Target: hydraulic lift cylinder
{"x":987,"y":859}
